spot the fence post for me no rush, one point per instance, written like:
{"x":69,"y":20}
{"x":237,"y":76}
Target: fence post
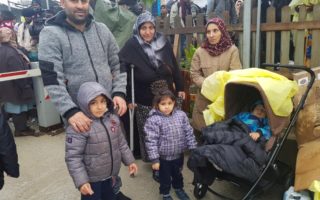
{"x":270,"y":42}
{"x":299,"y":39}
{"x":246,"y":34}
{"x":285,"y":36}
{"x":315,"y":52}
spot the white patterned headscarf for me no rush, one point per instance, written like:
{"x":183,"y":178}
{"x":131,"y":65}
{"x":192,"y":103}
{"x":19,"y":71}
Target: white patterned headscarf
{"x":158,"y":42}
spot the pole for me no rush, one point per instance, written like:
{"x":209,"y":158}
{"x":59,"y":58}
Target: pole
{"x":258,"y":32}
{"x":246,"y":34}
{"x":48,"y":6}
{"x":9,"y":7}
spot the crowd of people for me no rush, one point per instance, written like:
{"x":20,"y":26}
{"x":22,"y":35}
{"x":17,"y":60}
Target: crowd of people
{"x":88,"y":79}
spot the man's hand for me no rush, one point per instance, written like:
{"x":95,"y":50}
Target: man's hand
{"x":120,"y":104}
{"x":156,"y":166}
{"x":133,"y":169}
{"x":182,"y":95}
{"x":80,"y":122}
{"x":85,"y":189}
{"x":254,"y":135}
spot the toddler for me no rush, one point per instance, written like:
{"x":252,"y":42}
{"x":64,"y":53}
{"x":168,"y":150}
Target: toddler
{"x":168,"y":135}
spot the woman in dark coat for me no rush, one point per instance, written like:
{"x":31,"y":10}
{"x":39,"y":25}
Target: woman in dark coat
{"x":155,"y":66}
{"x":8,"y":152}
{"x":16,"y":94}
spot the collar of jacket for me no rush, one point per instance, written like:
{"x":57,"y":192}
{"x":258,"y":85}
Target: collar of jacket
{"x":60,"y":20}
{"x":157,"y":112}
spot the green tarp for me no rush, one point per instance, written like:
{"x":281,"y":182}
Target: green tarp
{"x":119,"y":20}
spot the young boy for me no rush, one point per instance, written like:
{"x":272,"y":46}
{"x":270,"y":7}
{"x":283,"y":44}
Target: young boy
{"x":94,"y":157}
{"x":256,"y":120}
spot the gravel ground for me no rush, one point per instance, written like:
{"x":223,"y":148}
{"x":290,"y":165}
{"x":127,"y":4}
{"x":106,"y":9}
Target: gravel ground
{"x":44,"y":176}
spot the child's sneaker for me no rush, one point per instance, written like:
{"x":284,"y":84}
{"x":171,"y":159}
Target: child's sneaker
{"x":182,"y":195}
{"x":166,"y":197}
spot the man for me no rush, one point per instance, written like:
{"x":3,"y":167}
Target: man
{"x":24,"y":39}
{"x":74,"y":49}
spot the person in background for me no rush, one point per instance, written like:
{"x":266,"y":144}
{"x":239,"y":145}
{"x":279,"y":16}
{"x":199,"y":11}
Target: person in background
{"x":219,"y":6}
{"x":8,"y":151}
{"x":25,"y":41}
{"x":17,"y":95}
{"x":154,"y":66}
{"x":168,"y":135}
{"x":7,"y":19}
{"x":217,"y":52}
{"x":95,"y":156}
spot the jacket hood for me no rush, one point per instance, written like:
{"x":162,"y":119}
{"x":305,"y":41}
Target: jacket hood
{"x":87,"y":92}
{"x":60,"y":20}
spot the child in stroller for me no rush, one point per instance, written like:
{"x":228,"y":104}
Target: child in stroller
{"x":256,"y":121}
{"x":235,"y":146}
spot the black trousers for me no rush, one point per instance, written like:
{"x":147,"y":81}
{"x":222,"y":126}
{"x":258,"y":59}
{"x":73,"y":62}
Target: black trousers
{"x":170,"y":174}
{"x":102,"y":191}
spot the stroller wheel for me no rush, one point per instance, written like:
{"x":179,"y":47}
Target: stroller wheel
{"x":200,"y":190}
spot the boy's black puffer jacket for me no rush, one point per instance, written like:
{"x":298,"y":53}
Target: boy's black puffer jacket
{"x":8,"y":152}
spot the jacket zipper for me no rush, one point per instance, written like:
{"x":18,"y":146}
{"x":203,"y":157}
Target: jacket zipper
{"x":89,"y":54}
{"x":110,"y":144}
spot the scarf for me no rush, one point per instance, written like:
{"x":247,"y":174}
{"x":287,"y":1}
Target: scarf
{"x":8,"y":36}
{"x":151,"y":49}
{"x":225,"y":41}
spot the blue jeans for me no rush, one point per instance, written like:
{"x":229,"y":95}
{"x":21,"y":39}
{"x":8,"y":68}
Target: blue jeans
{"x":170,"y":173}
{"x":102,"y":191}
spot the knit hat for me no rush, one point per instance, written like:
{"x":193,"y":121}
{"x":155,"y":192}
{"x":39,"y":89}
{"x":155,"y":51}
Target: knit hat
{"x":258,"y":102}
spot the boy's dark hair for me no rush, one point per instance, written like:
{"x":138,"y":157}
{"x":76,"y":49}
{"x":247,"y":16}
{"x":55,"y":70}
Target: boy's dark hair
{"x":162,"y":95}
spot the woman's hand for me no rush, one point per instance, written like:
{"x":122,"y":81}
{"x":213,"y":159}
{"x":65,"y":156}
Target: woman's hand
{"x":85,"y":189}
{"x":133,"y":169}
{"x":182,"y":95}
{"x":254,"y":135}
{"x":156,"y":166}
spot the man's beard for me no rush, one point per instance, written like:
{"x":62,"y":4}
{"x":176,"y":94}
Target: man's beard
{"x":78,"y":21}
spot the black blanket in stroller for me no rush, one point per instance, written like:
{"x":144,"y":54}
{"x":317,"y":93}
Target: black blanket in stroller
{"x":228,"y":148}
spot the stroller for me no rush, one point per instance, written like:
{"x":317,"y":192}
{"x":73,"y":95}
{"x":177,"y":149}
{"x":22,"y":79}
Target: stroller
{"x":237,"y":98}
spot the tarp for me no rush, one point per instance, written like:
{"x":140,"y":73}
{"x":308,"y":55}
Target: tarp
{"x":119,"y":20}
{"x":278,"y":89}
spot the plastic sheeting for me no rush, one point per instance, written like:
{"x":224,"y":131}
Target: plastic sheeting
{"x":278,"y":89}
{"x":118,"y":19}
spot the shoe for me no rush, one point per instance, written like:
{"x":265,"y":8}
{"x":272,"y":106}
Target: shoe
{"x":155,"y":175}
{"x":121,"y":196}
{"x":27,"y":132}
{"x":181,"y":194}
{"x":166,"y":197}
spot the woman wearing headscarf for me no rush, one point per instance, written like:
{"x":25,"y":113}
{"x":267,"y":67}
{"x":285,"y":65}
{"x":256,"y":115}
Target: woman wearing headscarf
{"x":155,"y":69}
{"x":216,"y":53}
{"x":17,"y":95}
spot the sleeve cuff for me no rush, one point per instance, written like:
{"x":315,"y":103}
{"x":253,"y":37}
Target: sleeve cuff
{"x":71,"y":112}
{"x":155,"y":161}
